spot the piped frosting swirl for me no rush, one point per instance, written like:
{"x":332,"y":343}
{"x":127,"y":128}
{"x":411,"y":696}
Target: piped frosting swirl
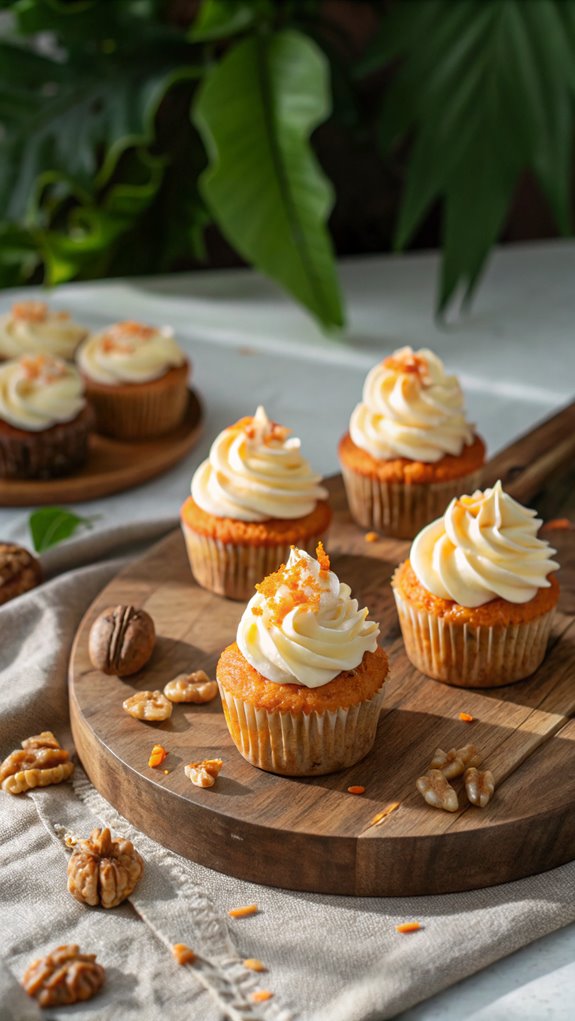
{"x":32,"y":328}
{"x":37,"y":392}
{"x":302,"y":625}
{"x":255,"y":471}
{"x":484,"y":547}
{"x":129,"y":352}
{"x":411,"y":408}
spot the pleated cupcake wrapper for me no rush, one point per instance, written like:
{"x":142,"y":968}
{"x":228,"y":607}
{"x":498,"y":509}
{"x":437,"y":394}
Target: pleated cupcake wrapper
{"x":50,"y":454}
{"x":231,"y":569}
{"x":300,"y":744}
{"x":470,"y":656}
{"x":399,"y":509}
{"x":141,"y":413}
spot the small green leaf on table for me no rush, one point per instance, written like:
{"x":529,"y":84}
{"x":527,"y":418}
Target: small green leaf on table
{"x":52,"y":525}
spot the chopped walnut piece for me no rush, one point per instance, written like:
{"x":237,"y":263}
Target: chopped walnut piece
{"x":454,"y":762}
{"x":152,"y":706}
{"x":39,"y":763}
{"x":196,"y":687}
{"x":479,"y":785}
{"x":203,"y":774}
{"x":104,"y":869}
{"x":63,"y":977}
{"x":183,"y":953}
{"x":437,"y":792}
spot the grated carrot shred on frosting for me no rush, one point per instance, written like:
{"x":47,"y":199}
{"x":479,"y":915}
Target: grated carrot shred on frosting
{"x":412,"y":363}
{"x":322,"y":558}
{"x":287,"y":588}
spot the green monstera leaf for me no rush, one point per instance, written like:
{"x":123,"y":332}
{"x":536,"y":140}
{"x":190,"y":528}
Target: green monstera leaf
{"x":256,"y":109}
{"x":76,"y":115}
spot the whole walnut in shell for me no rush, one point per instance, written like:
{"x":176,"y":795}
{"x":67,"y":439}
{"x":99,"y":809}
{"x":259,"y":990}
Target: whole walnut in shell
{"x":121,"y":640}
{"x":19,"y":571}
{"x":63,"y":977}
{"x":104,"y":870}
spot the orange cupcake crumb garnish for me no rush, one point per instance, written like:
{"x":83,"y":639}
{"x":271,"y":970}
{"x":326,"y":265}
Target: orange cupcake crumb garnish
{"x":261,"y":995}
{"x":466,"y":717}
{"x":42,"y":367}
{"x":385,"y":813}
{"x":412,"y":364}
{"x":371,"y":536}
{"x":322,"y":558}
{"x":289,"y":587}
{"x":30,"y":311}
{"x":558,"y":523}
{"x":183,"y":953}
{"x":121,"y":336}
{"x":409,"y":927}
{"x":250,"y":909}
{"x":356,"y":789}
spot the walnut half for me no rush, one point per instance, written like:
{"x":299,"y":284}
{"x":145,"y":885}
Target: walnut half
{"x":151,"y":706}
{"x":437,"y":792}
{"x":195,"y":687}
{"x":63,"y":977}
{"x":205,"y":773}
{"x":454,"y":762}
{"x":479,"y":785}
{"x":40,"y":762}
{"x":104,"y":869}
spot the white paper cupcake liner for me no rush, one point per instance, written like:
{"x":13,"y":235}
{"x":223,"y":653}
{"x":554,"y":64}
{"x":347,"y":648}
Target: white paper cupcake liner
{"x":398,"y":509}
{"x":302,"y":744}
{"x":470,"y":656}
{"x":231,"y":569}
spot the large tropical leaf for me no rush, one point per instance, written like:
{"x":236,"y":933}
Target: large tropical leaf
{"x":256,"y":110}
{"x":76,"y":114}
{"x":485,"y":90}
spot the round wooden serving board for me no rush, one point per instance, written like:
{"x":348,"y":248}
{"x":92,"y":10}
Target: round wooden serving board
{"x":311,"y":834}
{"x":112,"y":466}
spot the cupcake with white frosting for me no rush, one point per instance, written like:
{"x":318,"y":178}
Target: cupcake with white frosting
{"x":476,"y":597}
{"x":31,"y":327}
{"x":136,"y":380}
{"x":410,"y":448}
{"x":44,"y":418}
{"x":302,"y":685}
{"x":252,"y":499}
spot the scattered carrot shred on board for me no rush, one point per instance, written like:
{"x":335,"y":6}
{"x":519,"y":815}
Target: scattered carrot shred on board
{"x":356,"y":789}
{"x":261,"y":995}
{"x":183,"y":953}
{"x":557,"y":523}
{"x":381,"y":816}
{"x":166,"y":772}
{"x":253,"y":964}
{"x":408,"y":927}
{"x":371,"y":536}
{"x":157,"y":756}
{"x":466,"y":717}
{"x":251,"y":909}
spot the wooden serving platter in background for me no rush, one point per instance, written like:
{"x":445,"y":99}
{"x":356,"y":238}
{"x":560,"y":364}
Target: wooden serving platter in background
{"x":112,"y":466}
{"x":310,"y":834}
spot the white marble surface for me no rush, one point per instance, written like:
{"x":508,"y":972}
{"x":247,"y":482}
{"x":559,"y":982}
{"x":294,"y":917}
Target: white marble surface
{"x":515,"y":355}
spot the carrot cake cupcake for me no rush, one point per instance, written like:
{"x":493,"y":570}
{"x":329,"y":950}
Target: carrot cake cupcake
{"x":409,"y":448}
{"x":253,"y":498}
{"x":31,"y":327}
{"x":477,"y":595}
{"x":136,"y":380}
{"x":44,"y":418}
{"x":302,"y":686}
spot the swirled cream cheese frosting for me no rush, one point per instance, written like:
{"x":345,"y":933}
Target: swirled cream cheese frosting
{"x":129,"y":352}
{"x":302,"y":626}
{"x":37,"y":392}
{"x":255,"y":471}
{"x":485,"y":546}
{"x":32,"y":328}
{"x":411,"y":408}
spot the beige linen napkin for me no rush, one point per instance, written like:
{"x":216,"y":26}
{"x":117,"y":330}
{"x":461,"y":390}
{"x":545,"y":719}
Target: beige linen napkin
{"x":329,"y":958}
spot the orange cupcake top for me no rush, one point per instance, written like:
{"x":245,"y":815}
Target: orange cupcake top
{"x":402,"y":469}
